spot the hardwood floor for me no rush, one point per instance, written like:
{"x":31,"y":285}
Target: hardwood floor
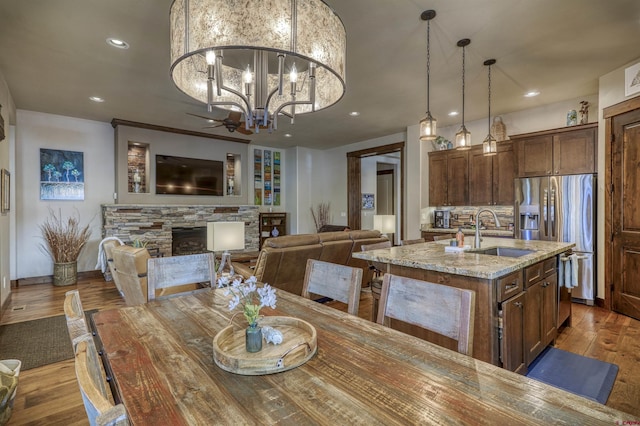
{"x":49,"y":395}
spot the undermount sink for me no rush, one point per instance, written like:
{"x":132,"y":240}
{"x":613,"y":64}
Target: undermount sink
{"x":503,"y":251}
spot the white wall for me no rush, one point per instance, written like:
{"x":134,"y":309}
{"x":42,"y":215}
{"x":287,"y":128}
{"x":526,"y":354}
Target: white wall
{"x":7,"y":147}
{"x":36,"y":130}
{"x":182,"y":146}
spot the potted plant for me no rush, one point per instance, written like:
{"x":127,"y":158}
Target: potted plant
{"x":64,"y":239}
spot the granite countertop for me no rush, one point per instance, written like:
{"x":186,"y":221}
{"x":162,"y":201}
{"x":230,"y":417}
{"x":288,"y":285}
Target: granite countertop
{"x":432,"y":256}
{"x":427,"y":227}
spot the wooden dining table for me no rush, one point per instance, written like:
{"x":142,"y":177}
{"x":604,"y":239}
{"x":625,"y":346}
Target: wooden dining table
{"x":160,"y":355}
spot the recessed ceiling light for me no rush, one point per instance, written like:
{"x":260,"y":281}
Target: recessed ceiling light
{"x":120,"y":44}
{"x":287,"y":135}
{"x":354,"y":113}
{"x":531,"y":94}
{"x":96,"y":99}
{"x":453,"y":113}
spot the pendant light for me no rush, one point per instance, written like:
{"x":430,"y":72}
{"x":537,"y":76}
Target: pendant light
{"x":428,"y":124}
{"x":489,"y":146}
{"x":463,"y":137}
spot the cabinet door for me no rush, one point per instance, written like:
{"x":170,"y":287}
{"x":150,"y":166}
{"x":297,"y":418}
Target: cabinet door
{"x":504,"y":172}
{"x":458,"y":178}
{"x":532,"y":322}
{"x":574,"y":152}
{"x":481,"y":178}
{"x":535,"y":156}
{"x":438,"y":178}
{"x":549,"y":312}
{"x":512,"y":345}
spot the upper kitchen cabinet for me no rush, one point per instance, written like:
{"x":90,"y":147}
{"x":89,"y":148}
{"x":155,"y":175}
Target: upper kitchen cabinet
{"x":448,"y":178}
{"x":565,"y":151}
{"x":491,"y":177}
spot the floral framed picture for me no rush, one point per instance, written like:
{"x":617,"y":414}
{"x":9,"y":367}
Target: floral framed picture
{"x":5,"y":191}
{"x":61,"y":175}
{"x":368,"y":202}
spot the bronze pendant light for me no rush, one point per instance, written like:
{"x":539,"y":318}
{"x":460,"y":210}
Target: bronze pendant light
{"x":489,"y":145}
{"x":463,"y":137}
{"x":428,"y":124}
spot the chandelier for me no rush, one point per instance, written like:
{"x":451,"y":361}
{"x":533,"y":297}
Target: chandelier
{"x":235,"y":54}
{"x":428,"y":124}
{"x":489,"y":146}
{"x":463,"y":137}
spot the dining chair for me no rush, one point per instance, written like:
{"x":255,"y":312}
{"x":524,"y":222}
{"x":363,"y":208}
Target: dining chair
{"x":169,"y":276}
{"x":378,"y":270}
{"x":414,"y":241}
{"x":443,"y":237}
{"x":108,"y":247}
{"x":338,"y":282}
{"x":445,"y":310}
{"x":93,"y":387}
{"x":73,"y":312}
{"x":130,"y":265}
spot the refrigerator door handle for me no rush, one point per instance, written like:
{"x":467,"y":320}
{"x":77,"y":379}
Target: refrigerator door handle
{"x":552,"y":212}
{"x":544,"y":209}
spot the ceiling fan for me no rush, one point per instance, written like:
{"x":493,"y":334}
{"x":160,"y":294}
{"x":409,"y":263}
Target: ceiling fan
{"x":231,"y":123}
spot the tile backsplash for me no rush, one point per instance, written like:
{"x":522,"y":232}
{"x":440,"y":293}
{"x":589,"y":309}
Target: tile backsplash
{"x":465,"y":216}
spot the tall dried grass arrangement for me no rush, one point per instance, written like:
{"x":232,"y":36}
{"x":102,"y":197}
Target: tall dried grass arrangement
{"x":321,"y":214}
{"x":63,"y":239}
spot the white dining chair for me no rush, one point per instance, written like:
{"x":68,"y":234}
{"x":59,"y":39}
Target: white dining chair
{"x":338,"y":282}
{"x":169,"y":276}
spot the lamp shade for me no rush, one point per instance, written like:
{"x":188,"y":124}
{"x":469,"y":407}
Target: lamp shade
{"x":223,"y":236}
{"x":385,"y":223}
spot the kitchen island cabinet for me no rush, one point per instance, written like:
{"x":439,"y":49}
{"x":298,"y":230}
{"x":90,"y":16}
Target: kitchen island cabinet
{"x":501,"y":299}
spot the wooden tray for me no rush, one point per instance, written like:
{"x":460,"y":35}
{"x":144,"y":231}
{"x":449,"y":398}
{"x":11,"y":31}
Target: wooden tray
{"x":299,"y":344}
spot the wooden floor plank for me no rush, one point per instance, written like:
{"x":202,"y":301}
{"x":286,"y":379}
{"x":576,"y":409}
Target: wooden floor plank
{"x":49,"y":395}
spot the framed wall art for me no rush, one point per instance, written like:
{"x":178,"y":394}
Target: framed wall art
{"x":5,"y":191}
{"x":368,"y":202}
{"x":61,"y":175}
{"x":632,"y":80}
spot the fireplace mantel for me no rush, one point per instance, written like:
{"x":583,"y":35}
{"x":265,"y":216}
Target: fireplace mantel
{"x":153,"y":222}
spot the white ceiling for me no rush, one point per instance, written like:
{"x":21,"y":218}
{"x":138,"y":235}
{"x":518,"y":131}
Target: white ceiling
{"x":54,"y":56}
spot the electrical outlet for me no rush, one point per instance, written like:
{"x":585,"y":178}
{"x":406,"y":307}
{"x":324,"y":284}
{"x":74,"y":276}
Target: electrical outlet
{"x":4,"y":283}
{"x":343,"y":214}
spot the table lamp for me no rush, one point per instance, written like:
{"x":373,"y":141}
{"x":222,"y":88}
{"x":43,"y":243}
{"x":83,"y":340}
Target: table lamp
{"x":225,"y":236}
{"x":385,"y":223}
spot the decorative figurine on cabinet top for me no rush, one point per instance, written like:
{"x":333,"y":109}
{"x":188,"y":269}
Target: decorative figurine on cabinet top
{"x":584,"y":112}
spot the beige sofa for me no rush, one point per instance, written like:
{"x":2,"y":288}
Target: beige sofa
{"x":282,"y":260}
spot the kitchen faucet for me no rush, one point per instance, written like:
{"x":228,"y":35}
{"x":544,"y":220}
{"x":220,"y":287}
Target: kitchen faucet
{"x":478,"y":239}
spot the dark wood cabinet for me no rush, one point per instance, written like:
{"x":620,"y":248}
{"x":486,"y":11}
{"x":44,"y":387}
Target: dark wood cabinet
{"x":272,"y":225}
{"x":491,"y":177}
{"x":511,"y":318}
{"x":565,"y":151}
{"x":448,"y":178}
{"x":540,"y":308}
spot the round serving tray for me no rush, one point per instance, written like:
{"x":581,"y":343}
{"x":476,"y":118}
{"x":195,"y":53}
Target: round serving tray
{"x":299,"y":344}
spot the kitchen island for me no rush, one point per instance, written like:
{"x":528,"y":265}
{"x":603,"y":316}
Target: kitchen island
{"x":518,"y":304}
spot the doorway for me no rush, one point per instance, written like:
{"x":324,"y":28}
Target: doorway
{"x":622,"y":225}
{"x":354,"y":182}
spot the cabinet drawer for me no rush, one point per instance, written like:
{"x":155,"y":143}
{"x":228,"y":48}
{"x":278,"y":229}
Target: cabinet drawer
{"x":509,"y":286}
{"x":533,"y":273}
{"x":549,"y":266}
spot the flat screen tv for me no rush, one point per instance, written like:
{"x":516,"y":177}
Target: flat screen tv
{"x":189,"y":176}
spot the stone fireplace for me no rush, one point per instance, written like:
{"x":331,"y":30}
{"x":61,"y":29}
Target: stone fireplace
{"x":157,"y":224}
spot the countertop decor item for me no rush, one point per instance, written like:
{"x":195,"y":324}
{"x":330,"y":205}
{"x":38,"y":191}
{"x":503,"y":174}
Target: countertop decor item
{"x":64,"y":239}
{"x":251,"y":299}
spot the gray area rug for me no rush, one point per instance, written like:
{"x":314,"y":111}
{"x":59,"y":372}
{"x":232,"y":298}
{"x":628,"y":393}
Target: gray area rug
{"x":38,"y":342}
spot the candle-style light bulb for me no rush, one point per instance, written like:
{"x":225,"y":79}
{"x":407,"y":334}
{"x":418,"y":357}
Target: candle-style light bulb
{"x":247,"y":76}
{"x":293,"y":74}
{"x":210,"y":57}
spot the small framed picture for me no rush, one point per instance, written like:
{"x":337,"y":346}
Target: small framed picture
{"x":368,"y":201}
{"x":632,"y":80}
{"x":5,"y":186}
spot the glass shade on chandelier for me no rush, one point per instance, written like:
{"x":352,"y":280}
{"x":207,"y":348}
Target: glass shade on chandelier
{"x":489,"y":145}
{"x":239,"y":55}
{"x":428,"y":124}
{"x":463,"y":137}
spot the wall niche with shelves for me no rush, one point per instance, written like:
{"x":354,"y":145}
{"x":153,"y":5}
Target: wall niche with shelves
{"x":233,"y":175}
{"x":137,"y":168}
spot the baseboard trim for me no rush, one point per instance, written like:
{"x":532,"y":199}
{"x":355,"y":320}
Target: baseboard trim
{"x":48,"y":279}
{"x":5,"y":305}
{"x":600,"y":303}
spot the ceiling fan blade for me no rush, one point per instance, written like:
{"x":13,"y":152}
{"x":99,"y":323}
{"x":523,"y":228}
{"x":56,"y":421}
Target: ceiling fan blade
{"x":201,"y":116}
{"x":235,"y":115}
{"x":213,"y":127}
{"x":244,"y":131}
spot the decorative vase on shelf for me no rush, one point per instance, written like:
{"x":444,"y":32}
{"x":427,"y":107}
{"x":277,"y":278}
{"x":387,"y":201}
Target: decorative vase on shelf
{"x":275,"y":232}
{"x":572,"y":118}
{"x":253,"y":338}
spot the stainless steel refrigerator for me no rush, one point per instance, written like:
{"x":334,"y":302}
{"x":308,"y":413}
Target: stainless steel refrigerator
{"x":561,"y":208}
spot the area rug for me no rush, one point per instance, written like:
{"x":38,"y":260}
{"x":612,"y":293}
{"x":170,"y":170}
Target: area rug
{"x":587,"y":377}
{"x":38,"y":342}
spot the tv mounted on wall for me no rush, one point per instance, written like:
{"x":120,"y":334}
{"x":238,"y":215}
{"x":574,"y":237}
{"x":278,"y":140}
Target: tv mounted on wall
{"x":189,"y":176}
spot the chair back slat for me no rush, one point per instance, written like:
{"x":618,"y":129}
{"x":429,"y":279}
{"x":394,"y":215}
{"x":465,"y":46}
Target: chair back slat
{"x":338,"y":282}
{"x":130,"y":265}
{"x":445,"y":310}
{"x":76,"y":322}
{"x":413,"y":241}
{"x":91,"y":380}
{"x":165,"y":273}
